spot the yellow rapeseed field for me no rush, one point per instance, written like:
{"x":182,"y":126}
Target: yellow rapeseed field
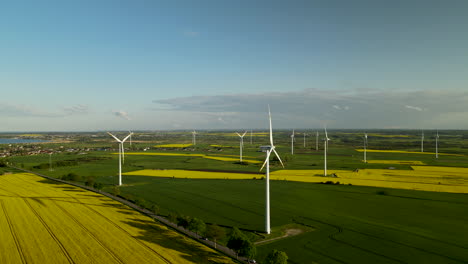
{"x":406,"y":162}
{"x":426,"y":178}
{"x":173,"y":146}
{"x":221,"y":158}
{"x":407,"y":152}
{"x":48,"y":222}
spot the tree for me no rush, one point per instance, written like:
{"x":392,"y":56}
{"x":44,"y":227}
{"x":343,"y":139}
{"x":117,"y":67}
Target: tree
{"x":276,"y":257}
{"x":172,"y":217}
{"x":197,"y":225}
{"x":247,"y":249}
{"x":241,"y":244}
{"x":183,"y":221}
{"x":214,"y":232}
{"x":154,"y":209}
{"x":89,"y":181}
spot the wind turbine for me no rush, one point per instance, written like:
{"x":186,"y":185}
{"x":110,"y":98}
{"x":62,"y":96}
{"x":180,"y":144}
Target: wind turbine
{"x":194,"y":137}
{"x":130,"y":139}
{"x":365,"y":146}
{"x":304,"y":138}
{"x":267,"y":163}
{"x":316,"y":141}
{"x":437,"y":145}
{"x":325,"y":148}
{"x":422,"y":140}
{"x":292,"y":143}
{"x":241,"y":143}
{"x":121,"y":154}
{"x":251,"y":137}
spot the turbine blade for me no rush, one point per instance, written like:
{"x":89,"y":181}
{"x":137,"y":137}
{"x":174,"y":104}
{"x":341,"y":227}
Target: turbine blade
{"x":267,"y":157}
{"x":114,"y":137}
{"x":271,"y":130}
{"x":244,"y":133}
{"x":123,"y":152}
{"x":276,"y":153}
{"x":123,"y":140}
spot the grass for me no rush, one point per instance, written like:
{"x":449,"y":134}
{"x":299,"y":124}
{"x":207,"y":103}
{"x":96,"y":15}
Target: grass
{"x":47,"y":222}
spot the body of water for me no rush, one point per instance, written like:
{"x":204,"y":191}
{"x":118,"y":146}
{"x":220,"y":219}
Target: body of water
{"x":19,"y":140}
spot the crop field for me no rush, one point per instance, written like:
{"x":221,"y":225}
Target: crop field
{"x":351,"y":224}
{"x":437,"y":179}
{"x":407,"y":162}
{"x":407,"y":152}
{"x":402,"y":206}
{"x":220,"y":158}
{"x":173,"y":146}
{"x":46,"y":222}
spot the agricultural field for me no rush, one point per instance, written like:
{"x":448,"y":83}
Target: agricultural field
{"x":401,"y":206}
{"x":47,"y":222}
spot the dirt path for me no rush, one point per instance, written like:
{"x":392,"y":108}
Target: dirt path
{"x":289,"y":232}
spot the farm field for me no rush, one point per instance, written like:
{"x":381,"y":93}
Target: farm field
{"x":403,"y":206}
{"x":352,"y":224}
{"x":46,"y":222}
{"x":427,"y":178}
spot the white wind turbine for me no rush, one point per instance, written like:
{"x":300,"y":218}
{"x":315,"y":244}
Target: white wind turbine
{"x":194,"y":137}
{"x":121,"y":154}
{"x":304,"y":139}
{"x":437,"y":145}
{"x":267,"y":181}
{"x":241,"y":143}
{"x":422,"y":140}
{"x":292,"y":143}
{"x":365,"y":147}
{"x":325,"y":148}
{"x":316,"y":141}
{"x":251,"y":137}
{"x":130,"y":139}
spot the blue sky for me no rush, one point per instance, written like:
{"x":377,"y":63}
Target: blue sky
{"x":107,"y":65}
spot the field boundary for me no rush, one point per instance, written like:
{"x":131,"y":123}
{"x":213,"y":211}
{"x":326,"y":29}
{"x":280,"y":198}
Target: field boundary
{"x":211,"y":244}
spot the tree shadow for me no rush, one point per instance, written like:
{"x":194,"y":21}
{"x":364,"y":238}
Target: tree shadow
{"x":188,"y":248}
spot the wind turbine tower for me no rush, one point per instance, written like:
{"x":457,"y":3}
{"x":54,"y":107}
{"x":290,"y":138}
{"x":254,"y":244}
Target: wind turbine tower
{"x":437,"y":145}
{"x":241,"y":143}
{"x":194,"y":138}
{"x":316,"y":140}
{"x":251,"y":137}
{"x":325,"y":148}
{"x":267,"y":181}
{"x":121,"y":153}
{"x":422,"y":141}
{"x":365,"y":148}
{"x":292,"y":143}
{"x":304,"y":139}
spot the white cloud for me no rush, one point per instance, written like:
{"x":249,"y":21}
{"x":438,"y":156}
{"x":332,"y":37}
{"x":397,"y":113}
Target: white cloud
{"x":121,"y":114}
{"x":414,"y":108}
{"x":76,"y":109}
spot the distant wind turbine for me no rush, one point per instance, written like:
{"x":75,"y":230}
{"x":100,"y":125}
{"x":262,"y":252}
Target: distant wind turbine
{"x":422,"y":140}
{"x":267,"y":181}
{"x":241,"y":143}
{"x":316,"y":141}
{"x":194,"y":137}
{"x":292,"y":143}
{"x":365,"y":148}
{"x":130,"y":139}
{"x":251,"y":137}
{"x":304,"y":139}
{"x":121,"y":154}
{"x":437,"y":145}
{"x":325,"y":148}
